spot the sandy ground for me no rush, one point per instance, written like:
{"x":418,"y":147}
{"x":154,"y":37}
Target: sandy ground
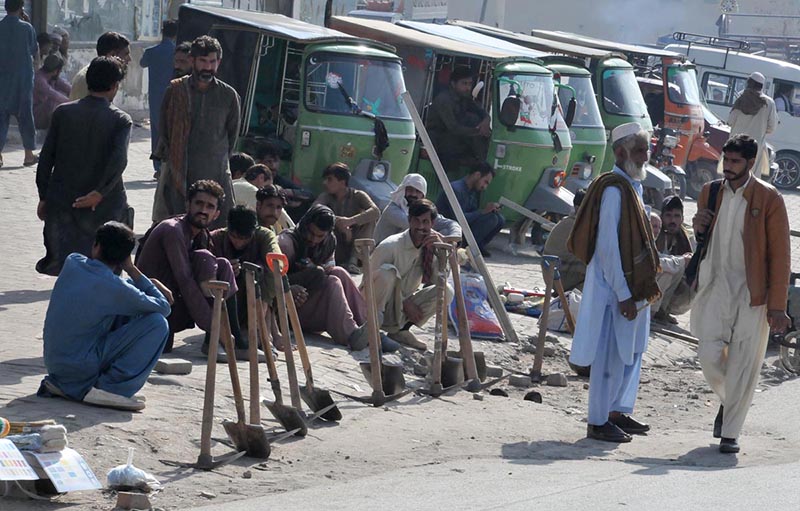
{"x":412,"y":432}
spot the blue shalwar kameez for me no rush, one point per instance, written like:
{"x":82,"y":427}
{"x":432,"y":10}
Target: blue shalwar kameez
{"x":102,"y":330}
{"x":614,"y":350}
{"x":19,"y":48}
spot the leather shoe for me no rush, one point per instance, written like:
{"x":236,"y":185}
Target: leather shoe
{"x":608,"y":432}
{"x":718,"y":424}
{"x":728,"y":446}
{"x":629,"y":425}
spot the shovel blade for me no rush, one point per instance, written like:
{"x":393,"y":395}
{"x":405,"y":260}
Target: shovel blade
{"x":288,"y":417}
{"x":319,"y":399}
{"x":393,"y":381}
{"x":249,"y":438}
{"x":452,"y":372}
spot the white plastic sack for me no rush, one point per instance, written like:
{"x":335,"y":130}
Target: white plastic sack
{"x":124,"y":477}
{"x":557,"y":320}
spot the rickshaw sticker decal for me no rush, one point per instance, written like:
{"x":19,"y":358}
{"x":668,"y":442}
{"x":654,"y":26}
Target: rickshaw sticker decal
{"x":348,"y":151}
{"x":372,"y":106}
{"x":333,"y":80}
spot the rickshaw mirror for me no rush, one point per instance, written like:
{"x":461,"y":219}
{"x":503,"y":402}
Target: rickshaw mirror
{"x":571,"y":109}
{"x":509,"y":111}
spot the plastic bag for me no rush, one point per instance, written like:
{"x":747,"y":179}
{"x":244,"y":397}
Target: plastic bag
{"x":125,"y":477}
{"x":557,"y":320}
{"x":483,"y":323}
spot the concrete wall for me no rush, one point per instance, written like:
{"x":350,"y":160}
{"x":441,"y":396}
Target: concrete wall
{"x":632,"y":21}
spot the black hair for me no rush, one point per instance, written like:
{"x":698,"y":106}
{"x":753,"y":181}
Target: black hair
{"x":484,"y":168}
{"x":53,"y":62}
{"x":320,"y":215}
{"x":116,"y":241}
{"x":184,"y":47}
{"x":338,"y":170}
{"x":206,"y":45}
{"x":580,"y":193}
{"x":270,"y":192}
{"x":257,"y":170}
{"x":208,"y":186}
{"x":459,"y":73}
{"x":742,"y":144}
{"x":422,"y":206}
{"x":242,"y":220}
{"x":111,"y":42}
{"x":169,"y":28}
{"x":240,"y":162}
{"x":104,"y":73}
{"x":14,"y":5}
{"x":267,"y":149}
{"x":44,"y":38}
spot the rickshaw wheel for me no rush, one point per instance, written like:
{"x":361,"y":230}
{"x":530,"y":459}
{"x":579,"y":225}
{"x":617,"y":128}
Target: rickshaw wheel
{"x":790,"y":356}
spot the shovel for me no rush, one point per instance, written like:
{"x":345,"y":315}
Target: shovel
{"x":388,"y":383}
{"x":205,"y":461}
{"x":317,"y":399}
{"x":464,"y":339}
{"x":278,"y":271}
{"x":246,"y":437}
{"x":250,"y":270}
{"x":288,"y":417}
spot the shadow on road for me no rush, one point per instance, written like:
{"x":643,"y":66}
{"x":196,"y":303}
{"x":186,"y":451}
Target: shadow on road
{"x":23,"y":296}
{"x":700,"y":458}
{"x":548,"y":451}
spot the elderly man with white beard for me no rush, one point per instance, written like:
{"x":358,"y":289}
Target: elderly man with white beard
{"x":612,"y":235}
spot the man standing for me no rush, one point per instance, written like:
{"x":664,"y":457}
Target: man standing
{"x":159,"y":61}
{"x":675,"y":251}
{"x":573,"y":270}
{"x":485,"y":223}
{"x":741,"y":292}
{"x":401,"y":263}
{"x":79,"y":176}
{"x":356,"y":214}
{"x":19,"y":49}
{"x":181,"y":60}
{"x":110,"y":44}
{"x":458,"y":126}
{"x":394,"y":218}
{"x":754,"y":114}
{"x":176,"y":252}
{"x":199,"y":124}
{"x":103,"y":334}
{"x":613,"y":236}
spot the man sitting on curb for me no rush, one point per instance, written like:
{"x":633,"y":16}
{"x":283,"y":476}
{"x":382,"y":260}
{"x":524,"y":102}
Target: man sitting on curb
{"x":401,"y":263}
{"x":485,"y":223}
{"x":176,"y":252}
{"x":246,"y":187}
{"x":356,"y":214}
{"x":102,"y":333}
{"x":673,"y":242}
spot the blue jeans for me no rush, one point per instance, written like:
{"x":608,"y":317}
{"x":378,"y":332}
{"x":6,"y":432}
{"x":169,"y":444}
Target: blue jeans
{"x":486,"y":227}
{"x":24,"y":118}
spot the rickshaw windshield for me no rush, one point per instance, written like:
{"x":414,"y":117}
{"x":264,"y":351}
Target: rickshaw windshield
{"x":374,"y":85}
{"x":683,"y":88}
{"x":535,"y":93}
{"x":587,"y":113}
{"x":621,"y":94}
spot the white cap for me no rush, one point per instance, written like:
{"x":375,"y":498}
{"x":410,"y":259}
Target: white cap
{"x":757,"y":77}
{"x":625,"y":130}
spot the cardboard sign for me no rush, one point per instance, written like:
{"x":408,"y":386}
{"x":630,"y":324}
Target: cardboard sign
{"x":68,"y":470}
{"x":13,"y":466}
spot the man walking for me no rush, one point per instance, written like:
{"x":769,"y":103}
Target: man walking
{"x":754,"y":114}
{"x":199,"y":124}
{"x":79,"y":176}
{"x":613,"y":236}
{"x":158,"y":60}
{"x":19,"y":49}
{"x":741,"y":292}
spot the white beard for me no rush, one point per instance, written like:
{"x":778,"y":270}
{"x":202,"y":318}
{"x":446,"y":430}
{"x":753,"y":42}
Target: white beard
{"x":636,"y":173}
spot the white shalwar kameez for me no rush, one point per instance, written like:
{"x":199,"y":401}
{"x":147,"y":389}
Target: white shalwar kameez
{"x":757,"y":126}
{"x":614,"y":350}
{"x":733,"y":335}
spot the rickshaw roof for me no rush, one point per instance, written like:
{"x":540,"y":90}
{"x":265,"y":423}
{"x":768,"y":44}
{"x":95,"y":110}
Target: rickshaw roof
{"x":463,"y":36}
{"x":593,"y":42}
{"x":282,"y":26}
{"x":402,"y":36}
{"x":539,"y":43}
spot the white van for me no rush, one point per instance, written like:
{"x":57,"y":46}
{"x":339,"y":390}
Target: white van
{"x":722,"y":75}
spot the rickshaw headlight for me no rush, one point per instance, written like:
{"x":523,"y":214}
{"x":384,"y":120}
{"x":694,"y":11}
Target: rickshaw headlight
{"x":378,"y":172}
{"x":670,"y":141}
{"x":586,"y":172}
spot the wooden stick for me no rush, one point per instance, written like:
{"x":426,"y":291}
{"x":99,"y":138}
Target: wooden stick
{"x":464,"y":337}
{"x":217,"y":288}
{"x":283,"y":317}
{"x":364,"y":247}
{"x":563,"y":297}
{"x":536,"y":372}
{"x":252,"y":349}
{"x":546,"y":224}
{"x":494,"y":297}
{"x":676,"y":335}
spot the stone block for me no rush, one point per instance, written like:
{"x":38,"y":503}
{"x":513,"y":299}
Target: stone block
{"x":494,"y":371}
{"x":518,"y":380}
{"x":557,"y":380}
{"x":173,"y":366}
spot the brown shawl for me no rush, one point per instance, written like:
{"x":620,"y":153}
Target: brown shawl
{"x":637,"y":247}
{"x":178,"y":116}
{"x":750,"y":102}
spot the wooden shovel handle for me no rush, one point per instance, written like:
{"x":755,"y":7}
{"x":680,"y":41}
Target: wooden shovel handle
{"x":274,"y":257}
{"x":298,"y":335}
{"x":267,"y":348}
{"x":227,"y":342}
{"x":294,"y":388}
{"x":365,"y":246}
{"x":252,"y":348}
{"x":211,"y":373}
{"x":464,"y":337}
